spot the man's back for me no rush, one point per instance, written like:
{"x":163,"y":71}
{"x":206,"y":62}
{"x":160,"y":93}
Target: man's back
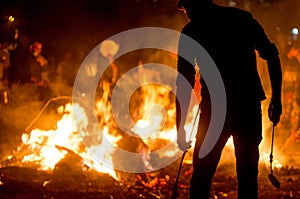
{"x":230,"y":36}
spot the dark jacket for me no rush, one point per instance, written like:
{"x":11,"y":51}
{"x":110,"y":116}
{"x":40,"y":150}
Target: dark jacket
{"x":231,"y":37}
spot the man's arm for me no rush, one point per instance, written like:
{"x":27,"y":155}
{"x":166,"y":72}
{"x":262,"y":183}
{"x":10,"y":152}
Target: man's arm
{"x":275,"y":74}
{"x":184,"y":85}
{"x":183,"y":97}
{"x":269,"y":52}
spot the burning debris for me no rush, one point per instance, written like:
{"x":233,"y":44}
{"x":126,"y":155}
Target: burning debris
{"x":60,"y":162}
{"x":70,"y":179}
{"x":74,"y":174}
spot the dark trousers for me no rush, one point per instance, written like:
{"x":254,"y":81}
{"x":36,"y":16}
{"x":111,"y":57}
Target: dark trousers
{"x":245,"y":125}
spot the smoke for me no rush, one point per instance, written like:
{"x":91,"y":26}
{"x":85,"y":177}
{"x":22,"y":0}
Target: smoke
{"x":19,"y":115}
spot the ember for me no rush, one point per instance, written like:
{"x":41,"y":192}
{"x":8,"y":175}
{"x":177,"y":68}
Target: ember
{"x":31,"y":183}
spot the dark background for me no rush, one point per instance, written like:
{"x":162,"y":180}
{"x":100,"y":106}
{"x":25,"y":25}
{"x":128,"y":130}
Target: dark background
{"x":79,"y":25}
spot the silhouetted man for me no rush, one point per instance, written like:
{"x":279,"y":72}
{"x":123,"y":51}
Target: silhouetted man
{"x":231,"y":37}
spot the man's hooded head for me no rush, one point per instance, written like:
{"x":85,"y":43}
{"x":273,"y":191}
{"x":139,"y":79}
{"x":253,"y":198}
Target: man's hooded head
{"x":194,"y":7}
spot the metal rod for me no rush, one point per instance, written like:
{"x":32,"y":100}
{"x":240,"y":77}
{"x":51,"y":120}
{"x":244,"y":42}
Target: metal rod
{"x":175,"y":187}
{"x":274,"y":181}
{"x":271,"y":154}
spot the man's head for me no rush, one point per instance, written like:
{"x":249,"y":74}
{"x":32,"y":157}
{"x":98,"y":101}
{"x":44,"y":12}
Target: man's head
{"x":36,"y":48}
{"x":192,"y":7}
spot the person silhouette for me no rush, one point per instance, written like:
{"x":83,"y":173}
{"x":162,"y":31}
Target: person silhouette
{"x":231,"y":36}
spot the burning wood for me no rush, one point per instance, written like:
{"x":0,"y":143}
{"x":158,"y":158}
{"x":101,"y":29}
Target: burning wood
{"x":70,"y":181}
{"x":57,"y":163}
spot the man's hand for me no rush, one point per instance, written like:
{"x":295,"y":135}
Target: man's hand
{"x":275,"y":110}
{"x":181,"y":140}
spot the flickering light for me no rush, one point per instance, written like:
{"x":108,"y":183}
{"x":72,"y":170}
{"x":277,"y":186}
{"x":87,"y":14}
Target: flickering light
{"x":295,"y":31}
{"x":232,"y":4}
{"x":11,"y":19}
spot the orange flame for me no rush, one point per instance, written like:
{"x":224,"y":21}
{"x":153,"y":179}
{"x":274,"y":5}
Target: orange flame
{"x":45,"y":146}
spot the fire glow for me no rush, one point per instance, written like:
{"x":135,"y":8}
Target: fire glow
{"x":45,"y":148}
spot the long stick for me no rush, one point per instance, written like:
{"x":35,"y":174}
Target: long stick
{"x":175,"y":187}
{"x":274,"y":181}
{"x":271,"y":154}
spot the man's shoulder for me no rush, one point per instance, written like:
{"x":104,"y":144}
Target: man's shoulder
{"x":233,"y":11}
{"x":221,"y":15}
